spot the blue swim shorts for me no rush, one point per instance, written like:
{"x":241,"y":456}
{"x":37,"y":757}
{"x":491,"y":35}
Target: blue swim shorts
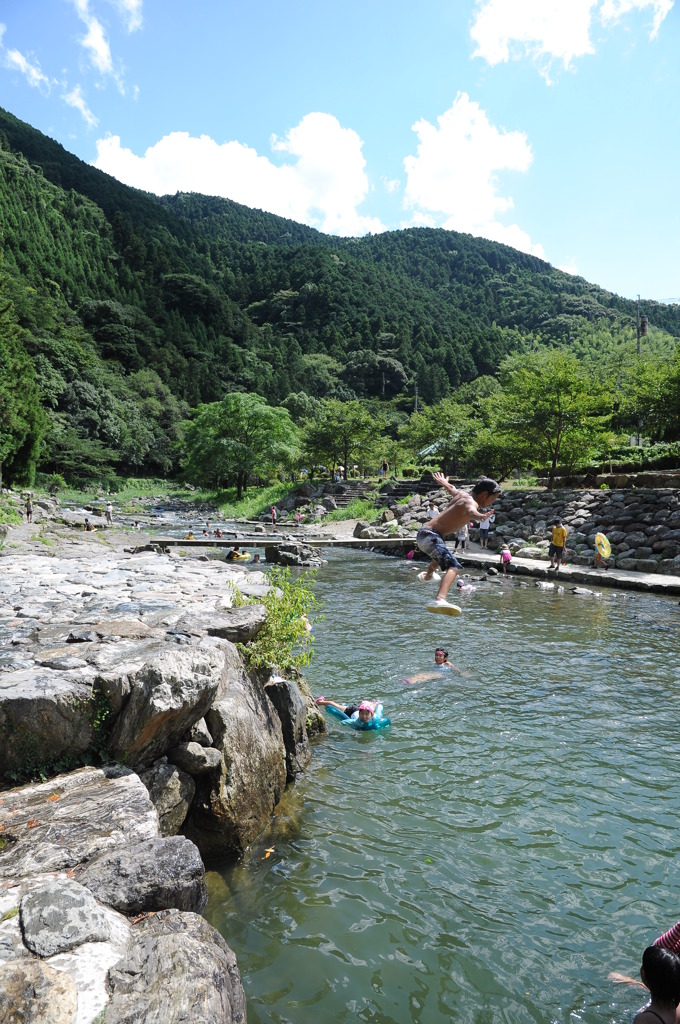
{"x":432,"y":544}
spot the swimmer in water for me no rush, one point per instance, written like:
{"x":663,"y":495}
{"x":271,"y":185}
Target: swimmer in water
{"x":366,"y":708}
{"x":441,"y":662}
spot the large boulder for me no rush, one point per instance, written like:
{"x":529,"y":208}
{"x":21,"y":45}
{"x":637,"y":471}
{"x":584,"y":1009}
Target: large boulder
{"x":171,"y":692}
{"x":155,"y":875}
{"x":231,"y":807}
{"x":63,"y":823}
{"x":59,"y":915}
{"x":293,"y":553}
{"x":177,"y":969}
{"x":35,"y":993}
{"x":291,"y":708}
{"x":235,"y":624}
{"x":43,"y":715}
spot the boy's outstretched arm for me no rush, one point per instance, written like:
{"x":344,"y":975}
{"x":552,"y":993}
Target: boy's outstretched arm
{"x":443,"y":481}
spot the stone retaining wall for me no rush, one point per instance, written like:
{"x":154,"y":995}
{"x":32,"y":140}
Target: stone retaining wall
{"x":642,"y":525}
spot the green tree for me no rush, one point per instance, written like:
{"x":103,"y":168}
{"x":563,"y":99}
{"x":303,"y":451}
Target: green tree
{"x":441,"y":432}
{"x":552,"y":409}
{"x":342,"y":433}
{"x":229,"y":441}
{"x":22,"y":421}
{"x":652,"y":397}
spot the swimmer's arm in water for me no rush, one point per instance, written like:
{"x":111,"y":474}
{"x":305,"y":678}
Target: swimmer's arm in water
{"x":422,"y":677}
{"x":624,"y":979}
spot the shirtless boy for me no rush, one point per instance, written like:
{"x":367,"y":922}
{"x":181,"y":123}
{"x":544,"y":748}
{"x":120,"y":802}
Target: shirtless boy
{"x":464,"y":508}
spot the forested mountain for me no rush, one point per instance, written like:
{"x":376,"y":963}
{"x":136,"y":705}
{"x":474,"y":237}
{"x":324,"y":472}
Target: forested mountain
{"x":134,"y":309}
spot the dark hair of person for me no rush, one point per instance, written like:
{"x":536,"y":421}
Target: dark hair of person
{"x":662,"y":974}
{"x":440,"y":650}
{"x":486,"y":486}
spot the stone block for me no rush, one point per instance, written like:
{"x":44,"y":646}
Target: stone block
{"x":171,"y":792}
{"x":154,"y":875}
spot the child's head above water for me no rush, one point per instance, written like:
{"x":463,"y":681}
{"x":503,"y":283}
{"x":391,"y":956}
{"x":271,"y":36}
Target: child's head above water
{"x":660,"y":972}
{"x":440,"y":656}
{"x":366,"y":710}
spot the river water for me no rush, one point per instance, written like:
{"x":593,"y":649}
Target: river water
{"x":510,"y":839}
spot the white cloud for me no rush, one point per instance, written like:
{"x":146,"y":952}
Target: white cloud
{"x":549,"y":30}
{"x":130,"y":11}
{"x":322,"y":187}
{"x":614,"y":10}
{"x":391,"y":185}
{"x":453,"y":176}
{"x":568,"y":268}
{"x":544,"y":30}
{"x":76,"y":99}
{"x":97,"y":45}
{"x":510,"y":234}
{"x":16,"y":61}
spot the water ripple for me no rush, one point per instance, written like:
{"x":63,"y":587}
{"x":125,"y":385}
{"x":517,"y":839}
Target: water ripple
{"x":503,"y":846}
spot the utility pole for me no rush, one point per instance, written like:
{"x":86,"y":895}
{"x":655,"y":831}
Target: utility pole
{"x":415,"y":408}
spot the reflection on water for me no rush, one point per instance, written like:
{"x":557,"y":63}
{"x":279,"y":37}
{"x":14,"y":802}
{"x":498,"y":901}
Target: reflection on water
{"x":508,"y":842}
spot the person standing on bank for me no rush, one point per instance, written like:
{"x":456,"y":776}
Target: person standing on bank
{"x":484,"y":531}
{"x":29,"y":509}
{"x":464,"y":507}
{"x":557,"y":543}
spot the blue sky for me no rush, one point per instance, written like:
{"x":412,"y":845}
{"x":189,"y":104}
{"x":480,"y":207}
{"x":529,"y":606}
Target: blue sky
{"x":551,"y":125}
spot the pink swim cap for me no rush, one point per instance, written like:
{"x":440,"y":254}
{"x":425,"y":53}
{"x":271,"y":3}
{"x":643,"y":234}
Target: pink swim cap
{"x":365,"y":706}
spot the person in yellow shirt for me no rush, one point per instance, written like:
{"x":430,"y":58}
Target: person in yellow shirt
{"x":556,"y":549}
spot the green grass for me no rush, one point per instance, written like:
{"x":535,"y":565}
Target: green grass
{"x":9,"y":513}
{"x":254,"y":502}
{"x":127,"y":490}
{"x":358,"y":508}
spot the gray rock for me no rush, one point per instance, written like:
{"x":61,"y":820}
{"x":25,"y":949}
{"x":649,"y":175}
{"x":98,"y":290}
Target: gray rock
{"x":230,"y":809}
{"x":171,"y":792}
{"x":235,"y":624}
{"x":637,"y":564}
{"x":154,"y":875}
{"x":178,"y":969}
{"x":43,"y":714}
{"x":59,"y":915}
{"x":292,"y":711}
{"x":171,"y":692}
{"x":74,"y":817}
{"x":195,"y":759}
{"x":198,"y":733}
{"x":34,"y":993}
{"x":82,"y":636}
{"x":293,"y":553}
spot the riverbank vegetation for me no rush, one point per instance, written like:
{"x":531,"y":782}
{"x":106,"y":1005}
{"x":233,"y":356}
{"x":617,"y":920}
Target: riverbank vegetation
{"x":191,"y":338}
{"x":285,"y":642}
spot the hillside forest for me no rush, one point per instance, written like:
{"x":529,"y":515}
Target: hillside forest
{"x":189,"y":336}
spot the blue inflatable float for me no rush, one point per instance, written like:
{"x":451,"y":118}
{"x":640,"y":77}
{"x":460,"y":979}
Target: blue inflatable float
{"x":376,"y":722}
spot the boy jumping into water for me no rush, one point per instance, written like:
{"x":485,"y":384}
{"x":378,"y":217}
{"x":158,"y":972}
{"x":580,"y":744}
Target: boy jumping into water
{"x":430,"y":539}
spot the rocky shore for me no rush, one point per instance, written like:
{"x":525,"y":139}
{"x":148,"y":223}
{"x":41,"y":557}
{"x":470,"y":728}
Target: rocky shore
{"x":126,"y":659}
